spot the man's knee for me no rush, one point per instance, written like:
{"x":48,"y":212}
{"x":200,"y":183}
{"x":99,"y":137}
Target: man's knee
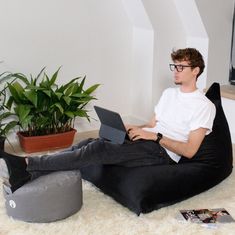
{"x":82,"y":143}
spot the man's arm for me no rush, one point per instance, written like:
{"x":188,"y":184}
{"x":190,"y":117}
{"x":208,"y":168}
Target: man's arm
{"x":187,"y":149}
{"x":150,"y":124}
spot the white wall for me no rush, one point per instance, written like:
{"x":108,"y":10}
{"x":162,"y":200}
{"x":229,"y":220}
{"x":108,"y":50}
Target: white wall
{"x":229,"y":110}
{"x":217,"y":17}
{"x":87,"y":37}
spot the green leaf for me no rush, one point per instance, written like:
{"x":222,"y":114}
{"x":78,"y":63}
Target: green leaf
{"x":79,"y":95}
{"x":42,"y":121}
{"x":10,"y":102}
{"x":26,"y":122}
{"x":47,"y":92}
{"x":16,"y":91}
{"x":32,"y":97}
{"x":22,"y":111}
{"x":69,"y":114}
{"x":69,"y":90}
{"x":64,"y":87}
{"x":81,"y":113}
{"x":92,"y":88}
{"x":40,"y":73}
{"x":58,"y":105}
{"x":67,"y":100}
{"x":10,"y":126}
{"x":58,"y":95}
{"x":22,"y":77}
{"x":54,"y":77}
{"x":4,"y":115}
{"x":80,"y":88}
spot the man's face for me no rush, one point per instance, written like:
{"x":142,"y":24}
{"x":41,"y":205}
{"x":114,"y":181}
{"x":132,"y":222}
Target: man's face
{"x":183,"y":73}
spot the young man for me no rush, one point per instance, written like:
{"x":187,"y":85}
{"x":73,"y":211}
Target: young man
{"x":182,"y":118}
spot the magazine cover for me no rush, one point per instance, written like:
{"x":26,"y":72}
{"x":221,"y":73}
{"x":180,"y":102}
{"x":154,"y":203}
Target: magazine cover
{"x":207,"y":216}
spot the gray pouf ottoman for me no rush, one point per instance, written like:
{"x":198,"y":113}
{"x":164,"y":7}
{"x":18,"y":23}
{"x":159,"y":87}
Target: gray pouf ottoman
{"x":48,"y":198}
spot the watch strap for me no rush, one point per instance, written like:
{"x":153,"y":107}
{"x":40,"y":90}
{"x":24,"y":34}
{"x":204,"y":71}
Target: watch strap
{"x":159,"y":137}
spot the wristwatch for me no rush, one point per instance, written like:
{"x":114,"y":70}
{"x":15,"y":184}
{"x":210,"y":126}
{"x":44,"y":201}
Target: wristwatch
{"x":159,"y":137}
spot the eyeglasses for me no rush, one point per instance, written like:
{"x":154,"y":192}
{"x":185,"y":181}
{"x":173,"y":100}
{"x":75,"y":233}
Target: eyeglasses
{"x":178,"y":67}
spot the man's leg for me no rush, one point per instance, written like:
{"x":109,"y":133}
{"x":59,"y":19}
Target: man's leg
{"x":92,"y":151}
{"x":13,"y":168}
{"x":99,"y":151}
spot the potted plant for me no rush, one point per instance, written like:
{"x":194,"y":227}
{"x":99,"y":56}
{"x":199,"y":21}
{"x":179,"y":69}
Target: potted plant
{"x":5,"y":123}
{"x":46,"y":109}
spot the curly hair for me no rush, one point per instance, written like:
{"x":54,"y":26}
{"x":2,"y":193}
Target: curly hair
{"x":192,"y":56}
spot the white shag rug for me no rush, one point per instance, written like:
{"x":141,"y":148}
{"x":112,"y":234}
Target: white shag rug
{"x":101,"y":215}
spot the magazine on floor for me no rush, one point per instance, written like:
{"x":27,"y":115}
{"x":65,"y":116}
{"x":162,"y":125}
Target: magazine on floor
{"x":207,"y":217}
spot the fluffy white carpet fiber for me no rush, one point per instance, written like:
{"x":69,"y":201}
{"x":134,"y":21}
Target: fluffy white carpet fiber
{"x":101,"y":215}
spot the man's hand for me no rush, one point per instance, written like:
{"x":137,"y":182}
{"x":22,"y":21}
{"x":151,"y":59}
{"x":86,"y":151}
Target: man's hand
{"x":131,"y":127}
{"x":137,"y":133}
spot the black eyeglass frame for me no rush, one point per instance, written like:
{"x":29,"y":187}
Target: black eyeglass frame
{"x":179,"y":67}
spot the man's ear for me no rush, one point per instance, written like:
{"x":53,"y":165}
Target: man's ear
{"x":196,"y":71}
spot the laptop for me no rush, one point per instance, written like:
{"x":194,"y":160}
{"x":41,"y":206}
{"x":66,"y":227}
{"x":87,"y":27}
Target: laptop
{"x":112,"y":127}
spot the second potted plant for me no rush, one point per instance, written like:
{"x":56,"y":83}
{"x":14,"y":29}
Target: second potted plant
{"x":46,"y":109}
{"x":6,"y":123}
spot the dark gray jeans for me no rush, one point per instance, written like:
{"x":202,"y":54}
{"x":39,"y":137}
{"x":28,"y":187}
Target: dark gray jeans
{"x":99,"y":151}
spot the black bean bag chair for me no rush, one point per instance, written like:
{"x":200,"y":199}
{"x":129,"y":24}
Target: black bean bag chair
{"x":144,"y":189}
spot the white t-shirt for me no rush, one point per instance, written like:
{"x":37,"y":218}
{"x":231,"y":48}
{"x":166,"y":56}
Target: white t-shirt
{"x":178,"y":113}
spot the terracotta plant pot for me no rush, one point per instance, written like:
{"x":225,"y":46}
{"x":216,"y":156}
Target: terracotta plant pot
{"x":46,"y":142}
